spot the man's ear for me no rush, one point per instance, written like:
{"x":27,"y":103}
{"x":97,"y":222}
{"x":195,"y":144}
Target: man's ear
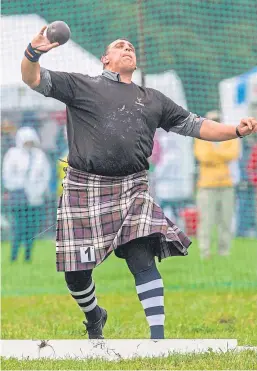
{"x":105,"y":59}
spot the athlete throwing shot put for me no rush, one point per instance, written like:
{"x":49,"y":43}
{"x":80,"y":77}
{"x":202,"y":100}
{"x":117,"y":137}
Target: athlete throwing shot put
{"x":105,"y":205}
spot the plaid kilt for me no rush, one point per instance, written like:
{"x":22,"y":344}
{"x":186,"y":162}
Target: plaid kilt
{"x":103,"y":212}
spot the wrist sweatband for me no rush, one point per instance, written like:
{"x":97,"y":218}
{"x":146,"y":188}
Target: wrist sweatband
{"x":238,"y":134}
{"x":32,"y":54}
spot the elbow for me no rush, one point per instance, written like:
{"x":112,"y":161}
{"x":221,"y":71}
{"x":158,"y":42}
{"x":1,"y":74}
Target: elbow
{"x":30,"y":75}
{"x":32,"y":83}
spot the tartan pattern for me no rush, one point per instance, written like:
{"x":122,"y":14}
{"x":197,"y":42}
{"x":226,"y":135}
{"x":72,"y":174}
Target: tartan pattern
{"x":106,"y":212}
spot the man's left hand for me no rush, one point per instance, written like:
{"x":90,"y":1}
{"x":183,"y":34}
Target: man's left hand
{"x":247,"y":126}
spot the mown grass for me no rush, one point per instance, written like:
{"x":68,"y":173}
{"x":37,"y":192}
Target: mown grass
{"x":246,"y":360}
{"x":203,"y":299}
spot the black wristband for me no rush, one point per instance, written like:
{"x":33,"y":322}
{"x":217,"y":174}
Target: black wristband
{"x":238,"y":134}
{"x":32,"y":54}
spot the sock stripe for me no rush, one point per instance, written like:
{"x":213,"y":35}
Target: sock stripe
{"x":86,"y":299}
{"x":83,"y":292}
{"x":154,"y":311}
{"x":156,"y":320}
{"x":155,"y":301}
{"x":89,"y":307}
{"x":87,"y":303}
{"x":77,"y":297}
{"x":151,"y":293}
{"x":149,"y":286}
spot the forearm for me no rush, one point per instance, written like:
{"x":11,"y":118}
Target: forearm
{"x":216,"y":132}
{"x":30,"y":72}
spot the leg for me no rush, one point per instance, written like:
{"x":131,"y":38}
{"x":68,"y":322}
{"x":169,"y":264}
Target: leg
{"x":82,"y":289}
{"x":140,"y":258}
{"x":33,"y":221}
{"x":206,"y":206}
{"x":224,"y":221}
{"x":17,"y":235}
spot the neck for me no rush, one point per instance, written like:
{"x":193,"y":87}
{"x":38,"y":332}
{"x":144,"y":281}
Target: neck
{"x":125,"y":77}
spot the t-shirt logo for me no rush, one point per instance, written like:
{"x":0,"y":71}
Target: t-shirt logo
{"x":139,"y":102}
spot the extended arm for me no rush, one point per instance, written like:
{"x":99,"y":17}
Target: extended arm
{"x":217,"y":132}
{"x":183,"y":122}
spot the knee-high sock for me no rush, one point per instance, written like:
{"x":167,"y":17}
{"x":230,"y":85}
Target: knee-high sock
{"x":149,"y":286}
{"x":82,"y":288}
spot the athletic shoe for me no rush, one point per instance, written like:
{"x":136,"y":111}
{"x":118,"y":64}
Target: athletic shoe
{"x":95,"y":329}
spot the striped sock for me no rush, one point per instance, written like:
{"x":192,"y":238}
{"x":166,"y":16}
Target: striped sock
{"x":87,"y":301}
{"x":151,"y":296}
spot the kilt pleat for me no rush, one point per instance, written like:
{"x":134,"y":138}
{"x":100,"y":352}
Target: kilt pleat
{"x":107,"y":212}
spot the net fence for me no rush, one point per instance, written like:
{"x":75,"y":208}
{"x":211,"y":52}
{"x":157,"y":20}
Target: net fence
{"x":202,"y":54}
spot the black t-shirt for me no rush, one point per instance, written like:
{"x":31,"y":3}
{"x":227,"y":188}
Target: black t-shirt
{"x":110,"y":124}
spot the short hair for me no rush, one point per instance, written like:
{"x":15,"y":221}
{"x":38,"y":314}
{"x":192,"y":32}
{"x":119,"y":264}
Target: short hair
{"x":119,"y":38}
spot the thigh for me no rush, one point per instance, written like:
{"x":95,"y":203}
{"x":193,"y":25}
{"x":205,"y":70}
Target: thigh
{"x":227,"y":205}
{"x":139,"y":253}
{"x":206,"y":204}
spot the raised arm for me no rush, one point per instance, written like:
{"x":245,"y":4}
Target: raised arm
{"x":54,"y":84}
{"x":30,"y":67}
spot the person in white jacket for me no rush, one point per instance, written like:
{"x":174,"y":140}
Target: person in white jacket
{"x":26,"y":175}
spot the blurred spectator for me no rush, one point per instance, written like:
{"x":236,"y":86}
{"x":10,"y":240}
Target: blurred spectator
{"x":215,"y":191}
{"x":245,"y":194}
{"x":62,"y":163}
{"x":8,"y":132}
{"x":26,"y":175}
{"x":252,"y":173}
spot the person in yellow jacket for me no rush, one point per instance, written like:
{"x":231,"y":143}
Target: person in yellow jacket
{"x":215,"y":191}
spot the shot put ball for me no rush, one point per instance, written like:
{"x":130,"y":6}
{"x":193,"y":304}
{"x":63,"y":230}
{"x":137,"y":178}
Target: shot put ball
{"x":59,"y":32}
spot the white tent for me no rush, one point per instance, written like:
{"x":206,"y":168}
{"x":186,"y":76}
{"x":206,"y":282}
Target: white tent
{"x":17,"y":31}
{"x":238,"y":97}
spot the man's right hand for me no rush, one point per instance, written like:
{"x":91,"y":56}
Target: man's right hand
{"x":41,"y":42}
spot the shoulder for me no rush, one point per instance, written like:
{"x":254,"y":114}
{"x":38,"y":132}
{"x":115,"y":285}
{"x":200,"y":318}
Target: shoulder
{"x":85,"y":77}
{"x":81,"y":79}
{"x":12,"y":152}
{"x":75,"y":76}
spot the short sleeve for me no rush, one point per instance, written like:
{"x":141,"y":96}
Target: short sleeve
{"x":63,"y":86}
{"x":172,"y":114}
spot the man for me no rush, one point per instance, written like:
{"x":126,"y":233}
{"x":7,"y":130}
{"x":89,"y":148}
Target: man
{"x":215,"y":193}
{"x":105,"y":205}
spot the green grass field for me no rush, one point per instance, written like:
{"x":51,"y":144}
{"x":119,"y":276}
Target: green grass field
{"x":203,"y":299}
{"x":209,"y":361}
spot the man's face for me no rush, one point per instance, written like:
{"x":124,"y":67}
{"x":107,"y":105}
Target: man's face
{"x":120,"y":56}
